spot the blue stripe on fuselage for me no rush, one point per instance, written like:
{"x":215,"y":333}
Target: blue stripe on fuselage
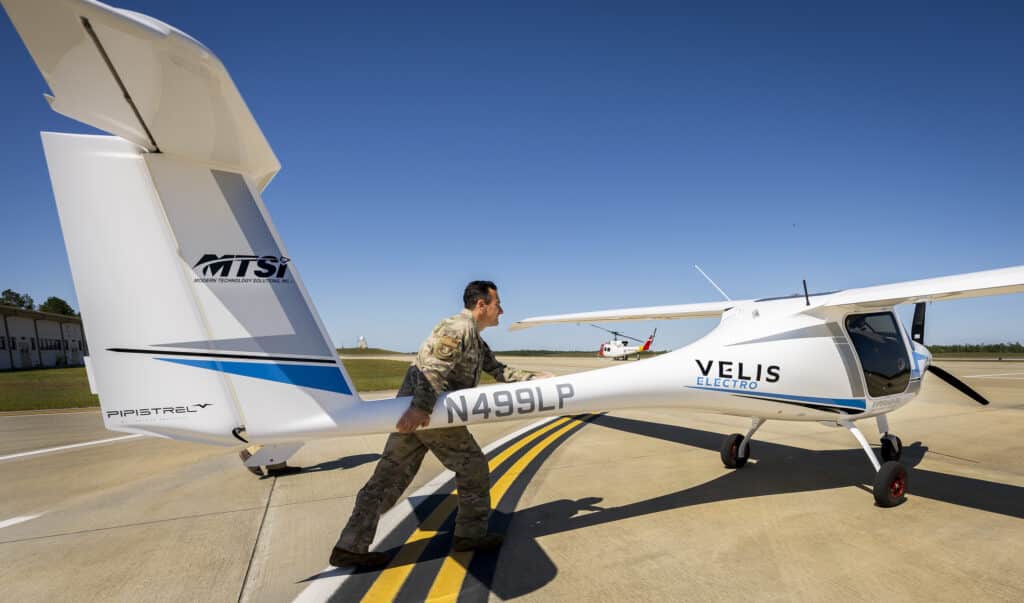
{"x":317,"y":377}
{"x":857,"y":403}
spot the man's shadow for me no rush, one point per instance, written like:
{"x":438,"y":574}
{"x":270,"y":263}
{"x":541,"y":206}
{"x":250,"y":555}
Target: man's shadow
{"x":346,"y":462}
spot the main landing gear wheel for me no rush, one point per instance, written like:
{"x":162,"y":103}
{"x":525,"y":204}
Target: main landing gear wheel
{"x":731,"y":451}
{"x":890,"y":484}
{"x":892,"y":448}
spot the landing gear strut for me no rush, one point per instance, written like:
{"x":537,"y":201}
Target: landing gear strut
{"x":892,"y":445}
{"x":890,"y":484}
{"x":892,"y":448}
{"x":736,"y":447}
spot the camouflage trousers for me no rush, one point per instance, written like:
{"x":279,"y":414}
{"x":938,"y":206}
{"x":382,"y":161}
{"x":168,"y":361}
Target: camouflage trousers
{"x":401,"y":459}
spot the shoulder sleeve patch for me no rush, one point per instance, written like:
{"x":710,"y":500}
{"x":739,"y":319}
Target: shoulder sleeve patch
{"x":445,"y":346}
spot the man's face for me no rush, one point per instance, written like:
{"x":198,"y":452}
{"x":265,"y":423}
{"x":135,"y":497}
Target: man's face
{"x":488,"y":313}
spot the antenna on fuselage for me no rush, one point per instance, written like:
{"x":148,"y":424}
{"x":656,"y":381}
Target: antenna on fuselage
{"x":727,"y":298}
{"x":807,"y":298}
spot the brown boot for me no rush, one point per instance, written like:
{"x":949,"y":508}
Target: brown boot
{"x":489,"y":542}
{"x":343,"y":558}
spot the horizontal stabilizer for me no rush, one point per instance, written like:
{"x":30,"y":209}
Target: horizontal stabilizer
{"x":957,"y":286}
{"x":144,"y":81}
{"x":704,"y":310}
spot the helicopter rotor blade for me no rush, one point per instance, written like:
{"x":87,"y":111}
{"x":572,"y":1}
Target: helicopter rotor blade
{"x":616,"y":333}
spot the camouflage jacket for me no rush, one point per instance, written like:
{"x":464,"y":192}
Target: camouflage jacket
{"x":452,"y":358}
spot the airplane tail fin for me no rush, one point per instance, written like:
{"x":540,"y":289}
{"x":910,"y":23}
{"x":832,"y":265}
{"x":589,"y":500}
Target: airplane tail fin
{"x":198,"y":323}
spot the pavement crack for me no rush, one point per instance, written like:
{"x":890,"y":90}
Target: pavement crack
{"x":256,"y":542}
{"x":951,"y":456}
{"x":127,"y":525}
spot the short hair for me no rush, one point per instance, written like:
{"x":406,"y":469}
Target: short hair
{"x":477,"y":290}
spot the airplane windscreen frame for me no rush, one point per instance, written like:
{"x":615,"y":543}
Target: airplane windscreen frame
{"x":883,"y":355}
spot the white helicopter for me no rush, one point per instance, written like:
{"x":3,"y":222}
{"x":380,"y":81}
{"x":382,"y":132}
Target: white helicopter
{"x":200,"y":328}
{"x":619,"y":349}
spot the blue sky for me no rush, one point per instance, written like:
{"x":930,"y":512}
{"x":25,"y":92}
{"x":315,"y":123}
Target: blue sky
{"x":585,"y":155}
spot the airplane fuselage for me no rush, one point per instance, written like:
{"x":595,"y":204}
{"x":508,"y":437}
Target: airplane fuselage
{"x":771,"y":359}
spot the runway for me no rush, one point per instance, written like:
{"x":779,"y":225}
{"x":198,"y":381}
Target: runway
{"x":632,"y":505}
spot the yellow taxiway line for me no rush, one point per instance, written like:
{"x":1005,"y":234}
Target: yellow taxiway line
{"x":391,"y":579}
{"x":449,"y":578}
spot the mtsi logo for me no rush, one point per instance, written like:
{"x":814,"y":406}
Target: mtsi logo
{"x":238,"y":268}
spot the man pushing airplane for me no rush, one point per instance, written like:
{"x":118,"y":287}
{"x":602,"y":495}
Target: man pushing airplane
{"x":451,"y":358}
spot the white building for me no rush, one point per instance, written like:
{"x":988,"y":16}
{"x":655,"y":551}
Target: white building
{"x":30,"y":339}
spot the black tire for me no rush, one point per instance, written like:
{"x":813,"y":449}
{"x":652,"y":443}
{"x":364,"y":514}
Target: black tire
{"x":891,"y":452}
{"x":731,"y":451}
{"x":890,"y":484}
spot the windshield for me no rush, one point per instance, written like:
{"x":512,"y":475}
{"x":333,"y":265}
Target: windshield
{"x":883,"y":355}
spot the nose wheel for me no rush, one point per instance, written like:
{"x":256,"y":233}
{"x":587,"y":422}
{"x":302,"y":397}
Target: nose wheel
{"x":890,"y":484}
{"x":891,"y":476}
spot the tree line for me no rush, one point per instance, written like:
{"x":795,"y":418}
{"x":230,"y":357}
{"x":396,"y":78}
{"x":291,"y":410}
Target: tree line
{"x":53,"y":305}
{"x":988,"y":348}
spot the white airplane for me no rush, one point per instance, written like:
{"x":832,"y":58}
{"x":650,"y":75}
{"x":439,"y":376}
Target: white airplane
{"x":200,"y":328}
{"x":619,"y":349}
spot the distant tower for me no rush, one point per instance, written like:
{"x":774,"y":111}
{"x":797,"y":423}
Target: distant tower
{"x":361,"y":343}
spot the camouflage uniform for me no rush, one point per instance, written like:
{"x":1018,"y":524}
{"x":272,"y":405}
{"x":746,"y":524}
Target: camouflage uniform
{"x":450,"y":359}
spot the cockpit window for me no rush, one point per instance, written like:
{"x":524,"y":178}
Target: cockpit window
{"x":883,"y":356}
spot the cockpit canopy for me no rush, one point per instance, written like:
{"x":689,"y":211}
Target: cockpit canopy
{"x":878,"y":340}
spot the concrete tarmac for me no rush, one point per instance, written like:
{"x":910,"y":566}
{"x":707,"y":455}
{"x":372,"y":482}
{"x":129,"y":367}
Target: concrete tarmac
{"x":632,"y":505}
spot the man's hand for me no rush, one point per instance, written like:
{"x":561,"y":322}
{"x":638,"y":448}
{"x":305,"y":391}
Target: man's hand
{"x":412,"y":419}
{"x":543,"y":375}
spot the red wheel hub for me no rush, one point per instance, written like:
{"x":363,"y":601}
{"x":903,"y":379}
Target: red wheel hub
{"x":897,"y":486}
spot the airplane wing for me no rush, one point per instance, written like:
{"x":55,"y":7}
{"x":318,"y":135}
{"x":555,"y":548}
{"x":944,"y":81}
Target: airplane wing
{"x":704,"y":310}
{"x":143,"y":80}
{"x":957,"y":286}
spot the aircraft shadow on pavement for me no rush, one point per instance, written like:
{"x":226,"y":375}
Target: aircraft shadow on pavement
{"x":345,"y":462}
{"x":781,"y":469}
{"x":523,"y":566}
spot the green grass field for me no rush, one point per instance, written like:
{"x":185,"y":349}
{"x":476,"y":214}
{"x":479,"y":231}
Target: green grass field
{"x":372,"y":375}
{"x":43,"y":389}
{"x":366,"y":352}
